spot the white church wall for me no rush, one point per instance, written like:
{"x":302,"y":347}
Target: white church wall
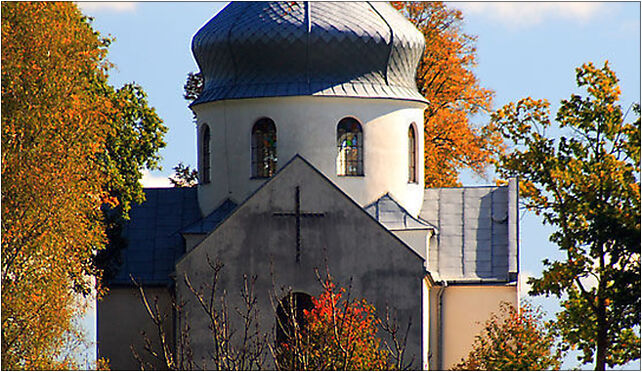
{"x":307,"y":126}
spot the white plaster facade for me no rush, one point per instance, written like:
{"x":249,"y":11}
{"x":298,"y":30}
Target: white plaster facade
{"x":307,"y":125}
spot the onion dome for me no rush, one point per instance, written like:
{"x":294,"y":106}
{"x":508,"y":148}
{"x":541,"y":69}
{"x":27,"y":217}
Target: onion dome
{"x":276,"y":49}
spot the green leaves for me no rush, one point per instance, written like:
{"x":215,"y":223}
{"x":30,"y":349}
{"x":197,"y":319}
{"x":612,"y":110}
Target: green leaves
{"x":184,"y":176}
{"x":586,"y":183}
{"x":136,"y":138}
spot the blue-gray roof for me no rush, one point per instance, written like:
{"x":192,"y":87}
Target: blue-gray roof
{"x":269,"y":49}
{"x":477,"y":237}
{"x":393,"y":216}
{"x":153,"y":235}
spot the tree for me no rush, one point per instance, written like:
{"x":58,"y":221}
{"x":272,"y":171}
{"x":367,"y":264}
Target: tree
{"x":587,"y":185}
{"x":133,"y":144}
{"x":445,"y":77}
{"x":236,"y":341}
{"x":334,"y":334}
{"x":193,"y":86}
{"x":514,"y":340}
{"x":63,"y":160}
{"x":334,"y":331}
{"x":331,"y":332}
{"x":184,"y":176}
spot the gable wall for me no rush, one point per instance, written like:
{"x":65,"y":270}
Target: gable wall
{"x":253,"y":241}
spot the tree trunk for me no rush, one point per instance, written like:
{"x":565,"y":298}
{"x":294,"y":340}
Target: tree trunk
{"x":600,"y":360}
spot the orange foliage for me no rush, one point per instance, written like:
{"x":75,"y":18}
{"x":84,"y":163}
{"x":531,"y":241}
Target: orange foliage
{"x":446,"y":79}
{"x":54,"y":121}
{"x":336,"y":334}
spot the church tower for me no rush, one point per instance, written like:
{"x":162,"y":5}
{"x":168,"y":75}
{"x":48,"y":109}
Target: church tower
{"x":332,"y":82}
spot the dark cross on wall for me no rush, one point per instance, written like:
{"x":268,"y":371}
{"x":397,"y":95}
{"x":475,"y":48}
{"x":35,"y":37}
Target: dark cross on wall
{"x":298,"y":214}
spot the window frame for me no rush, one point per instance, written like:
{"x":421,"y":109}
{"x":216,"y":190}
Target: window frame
{"x":343,"y":164}
{"x":413,"y":177}
{"x":263,"y":167}
{"x":206,"y":155}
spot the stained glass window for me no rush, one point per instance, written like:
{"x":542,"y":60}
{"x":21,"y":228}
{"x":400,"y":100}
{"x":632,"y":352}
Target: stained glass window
{"x":263,"y":148}
{"x":349,"y":148}
{"x":412,"y":154}
{"x":206,"y":163}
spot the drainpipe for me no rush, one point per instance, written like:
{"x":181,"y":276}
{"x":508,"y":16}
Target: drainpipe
{"x":440,"y":324}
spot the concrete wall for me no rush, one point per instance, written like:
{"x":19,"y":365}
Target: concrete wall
{"x":253,"y":241}
{"x":465,"y":309}
{"x":121,"y":318}
{"x":307,"y":126}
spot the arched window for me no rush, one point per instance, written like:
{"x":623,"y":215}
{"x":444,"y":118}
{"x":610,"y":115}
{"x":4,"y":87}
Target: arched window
{"x":412,"y":154}
{"x":263,"y":148}
{"x":290,"y":316}
{"x":349,"y":148}
{"x":205,"y":153}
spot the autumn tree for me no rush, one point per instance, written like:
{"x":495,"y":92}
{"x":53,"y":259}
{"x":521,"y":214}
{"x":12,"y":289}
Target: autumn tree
{"x":514,"y":340}
{"x":337,"y":332}
{"x":71,"y":145}
{"x":334,"y":334}
{"x":586,"y":184}
{"x":329,"y":332}
{"x":445,"y":77}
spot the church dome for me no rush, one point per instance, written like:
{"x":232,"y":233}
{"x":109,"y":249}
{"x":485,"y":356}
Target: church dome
{"x":276,"y":49}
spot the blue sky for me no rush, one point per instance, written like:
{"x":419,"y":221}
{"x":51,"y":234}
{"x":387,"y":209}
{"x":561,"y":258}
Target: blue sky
{"x":524,"y":49}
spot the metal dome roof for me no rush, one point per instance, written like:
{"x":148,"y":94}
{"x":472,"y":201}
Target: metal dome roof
{"x":272,"y":49}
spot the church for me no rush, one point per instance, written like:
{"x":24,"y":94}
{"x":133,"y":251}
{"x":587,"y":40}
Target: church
{"x":310,"y":156}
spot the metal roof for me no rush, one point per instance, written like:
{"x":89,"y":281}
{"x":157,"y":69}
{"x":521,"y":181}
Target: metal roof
{"x":477,"y":237}
{"x":270,"y":49}
{"x":153,"y":235}
{"x":477,"y":231}
{"x":393,"y":216}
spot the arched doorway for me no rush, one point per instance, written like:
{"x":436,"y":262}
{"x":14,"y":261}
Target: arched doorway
{"x":289,"y":313}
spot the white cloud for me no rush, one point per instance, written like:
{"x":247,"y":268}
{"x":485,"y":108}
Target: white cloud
{"x":150,"y":180}
{"x":525,"y":14}
{"x":109,"y":6}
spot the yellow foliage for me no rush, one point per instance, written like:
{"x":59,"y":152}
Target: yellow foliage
{"x":53,"y":124}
